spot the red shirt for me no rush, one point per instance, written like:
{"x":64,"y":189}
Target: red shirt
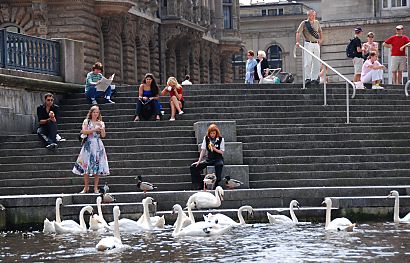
{"x":397,"y":42}
{"x":172,"y":93}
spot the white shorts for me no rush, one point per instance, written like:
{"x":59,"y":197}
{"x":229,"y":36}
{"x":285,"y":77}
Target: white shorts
{"x":398,"y":63}
{"x":358,"y":64}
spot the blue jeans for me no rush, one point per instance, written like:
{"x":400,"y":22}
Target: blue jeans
{"x":48,"y":132}
{"x":92,"y":93}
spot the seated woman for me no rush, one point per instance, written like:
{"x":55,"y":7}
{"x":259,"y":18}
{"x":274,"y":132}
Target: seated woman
{"x":214,"y":144}
{"x":372,"y":71}
{"x":176,"y":100}
{"x":148,"y":95}
{"x":93,"y":78}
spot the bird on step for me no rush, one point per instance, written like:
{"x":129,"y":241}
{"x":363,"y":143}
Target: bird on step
{"x":232,"y":183}
{"x":106,"y":197}
{"x":209,"y":180}
{"x":144,"y":186}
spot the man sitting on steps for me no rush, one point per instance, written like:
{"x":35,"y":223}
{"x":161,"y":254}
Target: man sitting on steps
{"x":47,"y":115}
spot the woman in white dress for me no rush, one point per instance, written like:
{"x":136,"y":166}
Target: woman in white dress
{"x":92,"y":160}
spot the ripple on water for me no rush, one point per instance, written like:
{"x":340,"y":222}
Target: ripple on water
{"x":254,"y":243}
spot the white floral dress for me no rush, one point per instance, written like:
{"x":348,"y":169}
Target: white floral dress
{"x":92,"y":158}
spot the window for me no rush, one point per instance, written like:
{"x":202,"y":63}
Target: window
{"x":394,"y":3}
{"x":227,"y":9}
{"x":263,"y":12}
{"x":12,"y":28}
{"x":238,"y":65}
{"x":274,"y":56}
{"x":274,"y":12}
{"x":280,"y":11}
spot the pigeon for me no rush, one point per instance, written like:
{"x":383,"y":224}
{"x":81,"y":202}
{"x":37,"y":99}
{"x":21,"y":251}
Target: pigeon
{"x":232,"y":183}
{"x":144,"y":186}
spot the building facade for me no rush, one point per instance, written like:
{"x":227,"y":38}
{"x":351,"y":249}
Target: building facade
{"x":271,"y":27}
{"x":133,"y":37}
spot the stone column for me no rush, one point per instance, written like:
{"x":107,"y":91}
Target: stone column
{"x":128,"y":51}
{"x":111,"y":29}
{"x":154,"y":51}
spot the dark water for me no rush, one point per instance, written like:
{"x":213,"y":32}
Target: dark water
{"x":257,"y":243}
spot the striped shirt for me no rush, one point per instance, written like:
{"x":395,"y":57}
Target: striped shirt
{"x":92,"y":78}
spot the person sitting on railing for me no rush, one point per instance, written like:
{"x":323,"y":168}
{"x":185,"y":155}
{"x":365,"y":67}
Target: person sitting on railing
{"x":94,"y":78}
{"x":312,"y":33}
{"x":47,"y":115}
{"x":372,"y":71}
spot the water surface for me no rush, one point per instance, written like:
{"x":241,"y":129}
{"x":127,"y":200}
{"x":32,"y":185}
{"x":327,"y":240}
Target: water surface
{"x":375,"y":242}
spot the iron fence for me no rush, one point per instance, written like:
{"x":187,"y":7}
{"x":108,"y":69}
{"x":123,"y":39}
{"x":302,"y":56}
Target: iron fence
{"x":27,"y":53}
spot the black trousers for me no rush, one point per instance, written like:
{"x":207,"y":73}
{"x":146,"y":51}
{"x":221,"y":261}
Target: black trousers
{"x":146,"y":111}
{"x":48,"y":132}
{"x":198,"y":179}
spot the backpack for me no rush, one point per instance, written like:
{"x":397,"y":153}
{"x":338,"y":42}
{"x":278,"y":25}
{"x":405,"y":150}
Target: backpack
{"x":350,"y":49}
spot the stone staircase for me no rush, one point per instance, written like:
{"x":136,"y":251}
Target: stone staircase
{"x":289,"y":140}
{"x":292,"y":146}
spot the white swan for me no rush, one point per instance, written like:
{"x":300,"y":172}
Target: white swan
{"x":113,"y":242}
{"x":74,"y":228}
{"x":196,"y":229}
{"x":282,"y":219}
{"x":49,"y":225}
{"x":186,"y":220}
{"x":206,"y":199}
{"x":396,"y":218}
{"x":337,"y":224}
{"x":226,"y":220}
{"x":97,"y":221}
{"x":148,"y":222}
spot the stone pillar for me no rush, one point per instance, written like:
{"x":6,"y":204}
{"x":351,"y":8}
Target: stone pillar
{"x":204,"y":63}
{"x":196,"y":51}
{"x":111,"y":30}
{"x":170,"y":63}
{"x":128,"y":37}
{"x":72,"y":60}
{"x":226,"y":67}
{"x":154,"y":52}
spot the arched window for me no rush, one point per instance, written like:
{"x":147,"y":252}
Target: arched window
{"x":11,"y":28}
{"x":238,"y":65}
{"x":274,"y":56}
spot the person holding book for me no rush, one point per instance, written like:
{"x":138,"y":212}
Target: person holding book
{"x":94,"y":85}
{"x":148,"y":99}
{"x":176,"y":100}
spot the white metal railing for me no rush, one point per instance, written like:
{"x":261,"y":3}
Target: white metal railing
{"x":324,"y":77}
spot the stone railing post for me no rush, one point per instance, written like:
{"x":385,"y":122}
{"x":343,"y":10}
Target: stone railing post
{"x":72,"y":60}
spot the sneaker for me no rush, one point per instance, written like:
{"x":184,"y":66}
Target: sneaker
{"x":359,"y":85}
{"x":59,"y":138}
{"x":110,"y":101}
{"x":181,"y":112}
{"x":377,"y":86}
{"x":54,"y":145}
{"x":172,"y":119}
{"x":94,"y":102}
{"x":49,"y":146}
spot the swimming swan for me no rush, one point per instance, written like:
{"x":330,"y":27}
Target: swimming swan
{"x":148,"y":222}
{"x":226,"y":220}
{"x":74,"y":228}
{"x":49,"y":225}
{"x":337,"y":224}
{"x":396,"y":218}
{"x":282,"y":219}
{"x":187,"y":220}
{"x":97,"y":221}
{"x":196,"y":229}
{"x":113,"y":242}
{"x":206,"y":199}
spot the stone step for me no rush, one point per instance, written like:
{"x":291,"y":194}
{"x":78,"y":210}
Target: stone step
{"x":332,"y":182}
{"x":284,"y":160}
{"x":75,"y":150}
{"x":327,"y":166}
{"x":355,"y":174}
{"x":131,"y":164}
{"x":135,"y":155}
{"x":63,"y":173}
{"x":107,"y":141}
{"x":325,"y":144}
{"x":325,"y":151}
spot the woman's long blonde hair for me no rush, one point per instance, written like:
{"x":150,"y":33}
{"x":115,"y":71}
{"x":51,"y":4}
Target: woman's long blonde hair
{"x":172,"y":81}
{"x":90,"y":112}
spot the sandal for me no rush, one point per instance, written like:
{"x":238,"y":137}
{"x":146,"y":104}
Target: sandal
{"x":84,"y":191}
{"x":96,"y":191}
{"x":137,"y":118}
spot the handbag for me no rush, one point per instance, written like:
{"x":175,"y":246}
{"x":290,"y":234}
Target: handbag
{"x":82,"y":138}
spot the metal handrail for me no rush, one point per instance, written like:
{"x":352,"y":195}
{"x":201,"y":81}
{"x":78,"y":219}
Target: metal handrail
{"x":335,"y":71}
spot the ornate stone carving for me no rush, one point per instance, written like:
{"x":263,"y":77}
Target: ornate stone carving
{"x":40,"y":16}
{"x":5,"y":12}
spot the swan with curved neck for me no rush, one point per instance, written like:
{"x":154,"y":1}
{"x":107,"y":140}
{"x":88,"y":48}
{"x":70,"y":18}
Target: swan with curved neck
{"x":186,"y":220}
{"x":97,"y":221}
{"x":49,"y":225}
{"x":226,"y":220}
{"x":65,"y":223}
{"x":74,"y":228}
{"x":206,"y":199}
{"x":396,"y":218}
{"x":196,"y":229}
{"x":282,"y":219}
{"x":113,"y":242}
{"x":337,"y":224}
{"x":149,"y":222}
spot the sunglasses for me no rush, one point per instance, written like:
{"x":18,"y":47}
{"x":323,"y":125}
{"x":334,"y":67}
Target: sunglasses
{"x":50,"y":100}
{"x":370,"y":36}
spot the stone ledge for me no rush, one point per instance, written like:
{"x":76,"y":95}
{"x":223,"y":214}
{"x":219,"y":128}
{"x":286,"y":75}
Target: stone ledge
{"x":227,"y":129}
{"x":238,"y":172}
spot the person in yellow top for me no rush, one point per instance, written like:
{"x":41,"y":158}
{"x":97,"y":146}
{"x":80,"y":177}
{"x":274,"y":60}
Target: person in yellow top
{"x":312,"y":34}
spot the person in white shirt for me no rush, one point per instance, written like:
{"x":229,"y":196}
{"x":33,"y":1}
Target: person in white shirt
{"x":372,"y":71}
{"x":186,"y":81}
